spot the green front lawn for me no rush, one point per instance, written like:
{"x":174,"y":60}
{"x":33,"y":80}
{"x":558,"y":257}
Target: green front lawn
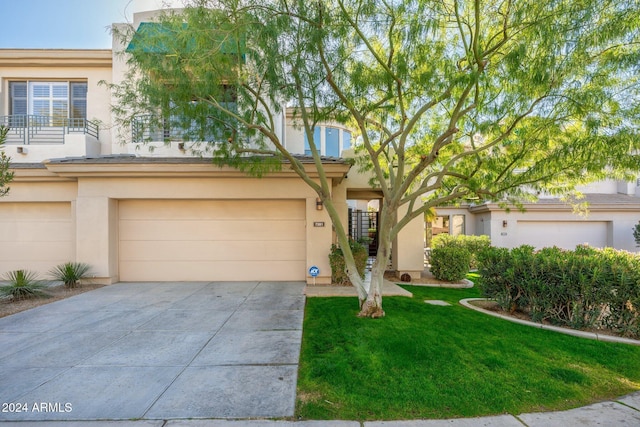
{"x":424,"y":361}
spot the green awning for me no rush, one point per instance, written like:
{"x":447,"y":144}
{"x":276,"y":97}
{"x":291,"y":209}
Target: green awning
{"x":153,"y":37}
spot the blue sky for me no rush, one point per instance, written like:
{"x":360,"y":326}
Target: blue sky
{"x":63,"y":24}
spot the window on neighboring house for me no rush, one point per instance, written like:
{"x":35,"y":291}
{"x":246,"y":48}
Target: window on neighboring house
{"x":56,"y":100}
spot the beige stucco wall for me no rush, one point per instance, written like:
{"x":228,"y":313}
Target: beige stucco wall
{"x":408,"y":248}
{"x":89,"y":232}
{"x":75,"y":145}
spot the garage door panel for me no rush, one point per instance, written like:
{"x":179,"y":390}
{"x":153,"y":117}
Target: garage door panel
{"x":207,"y":230}
{"x":221,"y":270}
{"x":563,"y":234}
{"x":50,"y":231}
{"x":35,"y":212}
{"x":212,"y":240}
{"x":213,"y":251}
{"x":35,"y":236}
{"x":205,"y":209}
{"x":54,"y":252}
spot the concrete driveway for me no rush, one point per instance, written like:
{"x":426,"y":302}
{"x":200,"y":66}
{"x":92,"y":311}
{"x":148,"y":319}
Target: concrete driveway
{"x":155,"y":351}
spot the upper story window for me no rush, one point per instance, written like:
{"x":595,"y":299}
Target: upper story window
{"x":58,"y":100}
{"x":316,"y":140}
{"x":329,"y":141}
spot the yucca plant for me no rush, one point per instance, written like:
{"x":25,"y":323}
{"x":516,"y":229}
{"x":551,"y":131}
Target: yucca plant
{"x":71,"y":273}
{"x":22,"y":284}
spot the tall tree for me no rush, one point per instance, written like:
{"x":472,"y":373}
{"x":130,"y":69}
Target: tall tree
{"x":450,"y":100}
{"x":6,"y":176}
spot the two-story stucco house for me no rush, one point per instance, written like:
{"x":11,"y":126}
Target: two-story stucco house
{"x":153,"y":211}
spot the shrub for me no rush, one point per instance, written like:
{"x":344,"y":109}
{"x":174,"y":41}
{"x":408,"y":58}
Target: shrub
{"x":492,"y":263}
{"x":473,"y":244}
{"x":450,"y":263}
{"x":636,"y":234}
{"x":71,"y":273}
{"x":338,"y":267}
{"x":585,"y":288}
{"x":22,"y":284}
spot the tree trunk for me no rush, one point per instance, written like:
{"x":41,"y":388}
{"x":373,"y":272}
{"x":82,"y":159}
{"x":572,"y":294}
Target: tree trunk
{"x":371,"y":306}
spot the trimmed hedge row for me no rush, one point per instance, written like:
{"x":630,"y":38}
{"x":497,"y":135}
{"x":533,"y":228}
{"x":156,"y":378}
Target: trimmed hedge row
{"x":585,"y":288}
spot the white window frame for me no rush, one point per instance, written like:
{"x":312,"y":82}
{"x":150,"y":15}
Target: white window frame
{"x":57,"y":107}
{"x":320,"y":139}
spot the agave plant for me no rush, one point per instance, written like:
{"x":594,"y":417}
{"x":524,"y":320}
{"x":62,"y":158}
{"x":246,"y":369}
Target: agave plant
{"x":22,"y":284}
{"x":71,"y":273}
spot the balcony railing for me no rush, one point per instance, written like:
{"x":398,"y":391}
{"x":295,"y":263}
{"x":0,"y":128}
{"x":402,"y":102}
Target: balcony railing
{"x":31,"y":129}
{"x":147,"y":128}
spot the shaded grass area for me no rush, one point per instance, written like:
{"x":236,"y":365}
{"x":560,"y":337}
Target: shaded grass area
{"x":424,"y":361}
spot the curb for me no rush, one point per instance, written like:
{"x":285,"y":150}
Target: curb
{"x":465,"y":285}
{"x":581,"y":334}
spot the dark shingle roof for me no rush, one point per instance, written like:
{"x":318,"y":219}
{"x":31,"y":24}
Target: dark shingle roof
{"x":593,"y":199}
{"x":133,"y":159}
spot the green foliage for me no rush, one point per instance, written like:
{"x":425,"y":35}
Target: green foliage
{"x":71,"y":273}
{"x":450,"y":263}
{"x":636,"y":234}
{"x":338,"y":267}
{"x":447,"y":362}
{"x":5,"y":175}
{"x":22,"y":284}
{"x":473,"y":244}
{"x":585,"y":288}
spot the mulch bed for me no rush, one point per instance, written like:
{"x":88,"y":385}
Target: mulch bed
{"x":494,"y":307}
{"x":54,"y":293}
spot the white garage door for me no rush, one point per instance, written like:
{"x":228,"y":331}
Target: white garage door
{"x":563,"y":234}
{"x":167,"y":240}
{"x":35,"y":236}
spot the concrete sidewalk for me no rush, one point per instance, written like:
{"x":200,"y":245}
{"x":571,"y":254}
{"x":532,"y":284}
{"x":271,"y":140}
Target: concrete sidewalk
{"x":155,"y":351}
{"x":622,"y":412}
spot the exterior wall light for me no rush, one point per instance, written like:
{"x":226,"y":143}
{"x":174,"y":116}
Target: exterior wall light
{"x":504,"y":223}
{"x":318,"y":204}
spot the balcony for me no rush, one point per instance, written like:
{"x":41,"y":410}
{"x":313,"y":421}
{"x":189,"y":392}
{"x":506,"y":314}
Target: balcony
{"x":37,"y":138}
{"x":31,"y":129}
{"x":155,"y":136}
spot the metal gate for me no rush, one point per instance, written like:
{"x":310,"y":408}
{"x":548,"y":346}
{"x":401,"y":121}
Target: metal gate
{"x":363,"y":226}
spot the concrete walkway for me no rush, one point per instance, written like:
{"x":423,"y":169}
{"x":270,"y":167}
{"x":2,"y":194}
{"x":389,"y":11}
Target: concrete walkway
{"x":155,"y":351}
{"x":389,"y":289}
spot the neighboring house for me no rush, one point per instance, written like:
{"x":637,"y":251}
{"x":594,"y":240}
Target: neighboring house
{"x":152,"y":211}
{"x":612,"y":211}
